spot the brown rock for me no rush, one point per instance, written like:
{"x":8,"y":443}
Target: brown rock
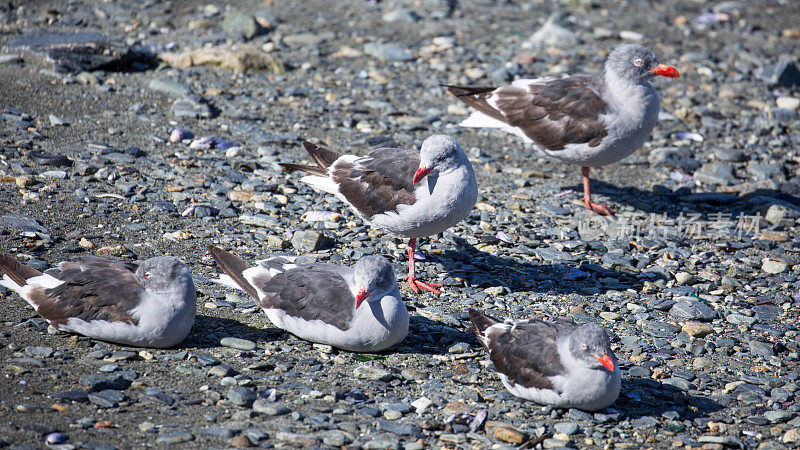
{"x":240,"y":442}
{"x":508,"y":434}
{"x":456,"y":407}
{"x":697,"y":329}
{"x":792,"y":436}
{"x":111,"y":250}
{"x":242,"y":59}
{"x":240,"y":196}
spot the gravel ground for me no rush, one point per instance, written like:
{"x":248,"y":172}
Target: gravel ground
{"x":696,"y":277}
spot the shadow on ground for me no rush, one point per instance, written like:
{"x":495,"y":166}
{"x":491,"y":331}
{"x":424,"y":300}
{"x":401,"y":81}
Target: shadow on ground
{"x":482,"y":270}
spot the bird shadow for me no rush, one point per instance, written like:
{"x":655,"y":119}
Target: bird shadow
{"x":642,"y":397}
{"x":205,"y":326}
{"x":432,"y":337}
{"x":482,"y":270}
{"x":660,"y":200}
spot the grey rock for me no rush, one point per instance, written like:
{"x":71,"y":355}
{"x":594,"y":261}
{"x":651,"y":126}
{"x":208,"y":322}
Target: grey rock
{"x":400,"y":15}
{"x":176,"y":437}
{"x":372,"y":373}
{"x":237,"y":343}
{"x":241,"y":23}
{"x":306,"y":241}
{"x":336,"y":438}
{"x":241,"y":396}
{"x":779,"y":416}
{"x":715,"y":173}
{"x":399,"y":428}
{"x":307,"y":39}
{"x":108,"y":398}
{"x":169,"y":86}
{"x":729,"y":154}
{"x":568,"y":428}
{"x":102,"y":381}
{"x":692,"y":309}
{"x":388,"y":52}
{"x":554,"y":32}
{"x":220,"y":432}
{"x":191,"y":107}
{"x":269,"y":408}
{"x":761,"y":348}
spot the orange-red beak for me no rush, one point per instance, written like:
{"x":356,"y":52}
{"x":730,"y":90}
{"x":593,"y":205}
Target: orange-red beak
{"x":606,"y":361}
{"x":665,"y":71}
{"x":362,"y":294}
{"x":421,"y":173}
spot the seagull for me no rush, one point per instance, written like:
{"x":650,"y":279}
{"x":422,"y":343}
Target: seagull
{"x":552,"y":363}
{"x":357,"y":309}
{"x":152,"y":305}
{"x":407,"y":193}
{"x":588,"y":120}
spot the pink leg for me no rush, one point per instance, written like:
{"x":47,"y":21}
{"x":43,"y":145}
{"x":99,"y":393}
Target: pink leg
{"x":415,"y":284}
{"x":603,"y":210}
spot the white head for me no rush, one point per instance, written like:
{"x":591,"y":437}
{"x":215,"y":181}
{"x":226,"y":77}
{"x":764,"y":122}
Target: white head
{"x":439,"y":152}
{"x":160,"y":273}
{"x":374,"y":276}
{"x":637,"y":64}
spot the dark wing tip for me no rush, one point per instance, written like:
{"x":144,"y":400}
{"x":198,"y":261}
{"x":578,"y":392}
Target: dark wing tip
{"x":463,"y":91}
{"x":233,"y":266}
{"x":480,"y":321}
{"x":17,"y":271}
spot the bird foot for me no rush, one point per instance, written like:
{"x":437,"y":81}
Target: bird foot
{"x":603,"y":210}
{"x":416,"y":285}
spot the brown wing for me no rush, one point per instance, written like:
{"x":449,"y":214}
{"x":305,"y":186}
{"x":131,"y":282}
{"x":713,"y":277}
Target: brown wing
{"x":528,"y":353}
{"x":233,"y":266}
{"x":553,"y":113}
{"x":18,"y":272}
{"x":379,"y":182}
{"x":96,"y":289}
{"x":311,"y":293}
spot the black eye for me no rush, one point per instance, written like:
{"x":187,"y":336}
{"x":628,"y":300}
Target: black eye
{"x":638,"y":62}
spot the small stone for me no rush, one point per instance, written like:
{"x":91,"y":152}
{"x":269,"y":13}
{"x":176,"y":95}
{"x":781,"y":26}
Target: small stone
{"x":269,"y":408}
{"x":392,"y":415}
{"x":372,"y":373}
{"x":683,"y":277}
{"x":146,"y":427}
{"x":176,"y":437}
{"x":238,"y":344}
{"x":55,"y":438}
{"x":240,"y":441}
{"x":109,"y":398}
{"x":240,"y":23}
{"x":307,"y":241}
{"x":458,"y":348}
{"x":421,"y":404}
{"x":508,"y":434}
{"x":304,"y":440}
{"x":568,"y":428}
{"x":57,"y":121}
{"x":171,"y":87}
{"x":779,"y":416}
{"x":761,"y":348}
{"x":241,"y":396}
{"x":788,"y":102}
{"x":792,"y":436}
{"x":772,"y":266}
{"x":336,"y":438}
{"x":693,"y":309}
{"x":697,"y":329}
{"x":388,"y":52}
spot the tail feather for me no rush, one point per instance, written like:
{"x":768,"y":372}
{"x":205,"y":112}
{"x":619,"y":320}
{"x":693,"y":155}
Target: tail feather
{"x":480,"y":323}
{"x":18,"y":272}
{"x":233,"y":266}
{"x":322,"y":156}
{"x":475,"y":97}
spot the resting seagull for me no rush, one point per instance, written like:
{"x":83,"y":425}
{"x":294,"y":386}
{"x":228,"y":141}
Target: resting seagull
{"x":407,"y":193}
{"x":357,"y":309}
{"x":552,"y":363}
{"x":152,"y":305}
{"x":588,"y":120}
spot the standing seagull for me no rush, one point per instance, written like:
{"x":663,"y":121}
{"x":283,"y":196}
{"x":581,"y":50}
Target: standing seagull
{"x":404,"y":192}
{"x":559,"y":363}
{"x":358,"y":309}
{"x":149,"y":306}
{"x":588,"y":120}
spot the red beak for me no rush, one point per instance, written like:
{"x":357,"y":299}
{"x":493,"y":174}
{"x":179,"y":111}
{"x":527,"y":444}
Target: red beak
{"x":606,"y":361}
{"x":362,"y":294}
{"x":665,"y":71}
{"x":421,"y":173}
